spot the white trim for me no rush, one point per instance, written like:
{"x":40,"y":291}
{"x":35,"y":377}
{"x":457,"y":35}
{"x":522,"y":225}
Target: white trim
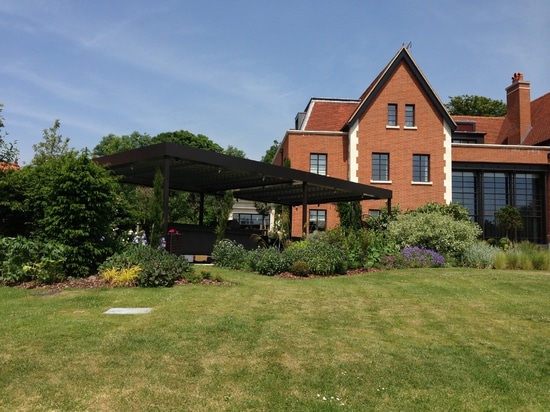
{"x":381,"y":182}
{"x":353,"y":153}
{"x":447,"y":164}
{"x":410,"y":128}
{"x":393,"y":127}
{"x":421,"y":183}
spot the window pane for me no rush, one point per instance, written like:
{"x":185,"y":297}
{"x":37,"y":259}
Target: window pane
{"x":380,"y":166}
{"x":392,"y":115}
{"x":317,"y":220}
{"x":421,"y":168}
{"x":318,"y":163}
{"x":409,"y":115}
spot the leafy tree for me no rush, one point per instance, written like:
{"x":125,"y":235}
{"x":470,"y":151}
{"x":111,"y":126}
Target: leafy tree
{"x":15,"y":216}
{"x":509,"y":218}
{"x":53,"y":144}
{"x":76,"y":203}
{"x":271,"y":152}
{"x":112,"y":144}
{"x":8,"y":151}
{"x":186,"y":138}
{"x":350,"y":215}
{"x":468,"y":105}
{"x":233,"y":151}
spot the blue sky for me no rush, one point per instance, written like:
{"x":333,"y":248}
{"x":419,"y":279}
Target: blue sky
{"x":239,"y":71}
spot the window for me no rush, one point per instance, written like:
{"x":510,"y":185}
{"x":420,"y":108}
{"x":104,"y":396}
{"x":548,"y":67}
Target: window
{"x":317,"y":220}
{"x":409,"y":115}
{"x":483,"y":193}
{"x":318,"y":163}
{"x":252,"y":221}
{"x":392,"y":114}
{"x":421,"y":168}
{"x":380,"y":166}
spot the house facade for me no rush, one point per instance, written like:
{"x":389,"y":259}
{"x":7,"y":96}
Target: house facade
{"x":398,"y":135}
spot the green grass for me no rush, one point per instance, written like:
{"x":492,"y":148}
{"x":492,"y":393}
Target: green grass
{"x":423,"y":339}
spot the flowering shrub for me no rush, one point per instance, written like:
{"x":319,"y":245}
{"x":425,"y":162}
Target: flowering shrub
{"x":434,"y":231}
{"x":268,"y":261}
{"x":416,"y":257}
{"x":158,"y":268}
{"x":230,"y":254}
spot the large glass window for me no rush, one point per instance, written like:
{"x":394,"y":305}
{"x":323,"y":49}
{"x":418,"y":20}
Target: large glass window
{"x":392,"y":114}
{"x":317,"y":219}
{"x":496,"y":194}
{"x":318,"y":163}
{"x":380,"y":166}
{"x":421,"y":168}
{"x":465,"y":191}
{"x":409,"y":115}
{"x":483,"y":193}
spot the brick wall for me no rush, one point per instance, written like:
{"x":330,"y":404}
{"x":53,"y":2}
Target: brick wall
{"x":427,"y":138}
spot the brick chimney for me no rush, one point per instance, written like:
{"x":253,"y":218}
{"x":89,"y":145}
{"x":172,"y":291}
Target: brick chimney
{"x":518,"y":101}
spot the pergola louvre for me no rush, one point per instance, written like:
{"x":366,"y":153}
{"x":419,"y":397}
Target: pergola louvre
{"x":190,"y":169}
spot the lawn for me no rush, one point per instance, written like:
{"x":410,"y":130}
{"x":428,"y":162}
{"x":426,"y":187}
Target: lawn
{"x":403,"y":340}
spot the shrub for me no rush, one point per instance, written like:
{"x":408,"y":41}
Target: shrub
{"x":23,"y":259}
{"x":415,"y":257}
{"x":267,"y":262}
{"x":121,"y":277}
{"x":300,"y":268}
{"x":479,"y":255}
{"x":324,"y":258}
{"x":158,"y":267}
{"x":434,"y":231}
{"x":230,"y":254}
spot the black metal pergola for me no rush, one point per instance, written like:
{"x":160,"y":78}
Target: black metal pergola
{"x":200,"y":171}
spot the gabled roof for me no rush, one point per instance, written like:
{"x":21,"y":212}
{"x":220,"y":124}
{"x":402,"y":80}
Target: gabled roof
{"x":328,"y":114}
{"x":403,"y":55}
{"x":540,"y":120}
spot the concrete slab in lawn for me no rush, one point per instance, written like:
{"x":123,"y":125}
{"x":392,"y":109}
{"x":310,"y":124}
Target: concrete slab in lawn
{"x":127,"y":311}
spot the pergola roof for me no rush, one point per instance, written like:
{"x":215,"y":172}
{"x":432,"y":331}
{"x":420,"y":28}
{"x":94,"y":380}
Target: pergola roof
{"x":202,"y":171}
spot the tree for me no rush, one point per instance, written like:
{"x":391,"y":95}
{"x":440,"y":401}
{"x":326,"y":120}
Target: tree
{"x":467,"y":105}
{"x":8,"y":151}
{"x":270,"y":153}
{"x":53,"y":144}
{"x":112,"y":144}
{"x":509,"y":218}
{"x":233,"y":151}
{"x":76,"y":203}
{"x":186,"y":138}
{"x":350,"y":215}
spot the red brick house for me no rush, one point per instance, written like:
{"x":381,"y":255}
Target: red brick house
{"x":398,"y":135}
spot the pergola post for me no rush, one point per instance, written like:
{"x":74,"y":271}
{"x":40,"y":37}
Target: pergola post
{"x":165,"y":195}
{"x":305,"y":226}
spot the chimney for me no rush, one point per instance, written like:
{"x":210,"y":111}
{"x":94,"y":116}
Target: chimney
{"x":518,"y":101}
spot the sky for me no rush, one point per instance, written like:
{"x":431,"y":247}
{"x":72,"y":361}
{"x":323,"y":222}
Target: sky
{"x":238,"y":71}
